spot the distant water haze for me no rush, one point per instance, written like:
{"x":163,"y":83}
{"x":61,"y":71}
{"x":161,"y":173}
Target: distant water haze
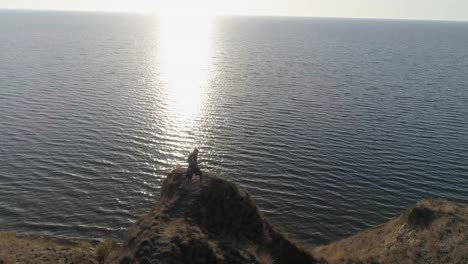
{"x":333,"y":125}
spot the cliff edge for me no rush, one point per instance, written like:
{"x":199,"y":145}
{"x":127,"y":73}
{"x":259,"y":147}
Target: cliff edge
{"x":216,"y":222}
{"x":432,"y":232}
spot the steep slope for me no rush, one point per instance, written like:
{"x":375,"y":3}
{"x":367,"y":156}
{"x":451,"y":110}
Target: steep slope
{"x":434,"y":231}
{"x":215,"y":223}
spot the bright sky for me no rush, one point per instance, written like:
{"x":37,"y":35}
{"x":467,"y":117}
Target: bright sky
{"x":399,"y":9}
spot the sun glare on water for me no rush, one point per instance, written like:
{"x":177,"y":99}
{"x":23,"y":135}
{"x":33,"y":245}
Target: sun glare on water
{"x":184,"y":52}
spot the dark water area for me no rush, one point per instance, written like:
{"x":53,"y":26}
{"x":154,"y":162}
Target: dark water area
{"x":333,"y":125}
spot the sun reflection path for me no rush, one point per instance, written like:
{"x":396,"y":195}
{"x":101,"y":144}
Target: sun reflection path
{"x":184,"y":53}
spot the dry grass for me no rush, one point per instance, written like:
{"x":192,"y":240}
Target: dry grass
{"x":40,"y":250}
{"x":85,"y":245}
{"x":8,"y":236}
{"x":432,"y":230}
{"x":261,"y":256}
{"x":104,"y":249}
{"x":265,"y":258}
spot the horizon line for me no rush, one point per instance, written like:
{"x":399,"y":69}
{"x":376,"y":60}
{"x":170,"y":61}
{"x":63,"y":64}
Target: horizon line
{"x":227,"y":15}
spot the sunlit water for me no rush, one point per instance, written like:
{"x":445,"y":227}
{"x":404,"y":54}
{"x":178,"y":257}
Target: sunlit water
{"x":332,"y":125}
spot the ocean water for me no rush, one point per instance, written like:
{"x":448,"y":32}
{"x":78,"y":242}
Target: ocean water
{"x":333,"y":125}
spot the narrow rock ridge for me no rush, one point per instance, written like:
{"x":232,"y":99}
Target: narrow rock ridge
{"x":214,"y":223}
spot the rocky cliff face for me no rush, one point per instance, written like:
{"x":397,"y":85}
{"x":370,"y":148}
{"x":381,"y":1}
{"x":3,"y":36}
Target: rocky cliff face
{"x":434,"y":231}
{"x":215,"y":222}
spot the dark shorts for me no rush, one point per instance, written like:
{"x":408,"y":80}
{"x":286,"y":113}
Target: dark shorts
{"x":193,"y":170}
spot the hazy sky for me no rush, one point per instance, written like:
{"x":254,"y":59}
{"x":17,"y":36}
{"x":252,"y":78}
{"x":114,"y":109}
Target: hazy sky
{"x":400,"y":9}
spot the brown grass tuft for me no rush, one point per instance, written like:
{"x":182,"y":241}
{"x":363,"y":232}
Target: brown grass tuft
{"x":262,"y":257}
{"x":85,"y":245}
{"x":104,"y":249}
{"x":265,"y":258}
{"x":5,"y":236}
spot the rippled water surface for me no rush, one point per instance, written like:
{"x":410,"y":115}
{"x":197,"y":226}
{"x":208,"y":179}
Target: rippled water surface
{"x":333,"y":125}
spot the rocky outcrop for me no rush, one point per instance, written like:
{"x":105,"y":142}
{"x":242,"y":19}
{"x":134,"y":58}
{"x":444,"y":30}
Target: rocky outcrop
{"x":213,"y":222}
{"x":434,"y":231}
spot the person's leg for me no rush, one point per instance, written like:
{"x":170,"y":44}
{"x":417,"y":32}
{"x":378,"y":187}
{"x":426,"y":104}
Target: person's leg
{"x":188,"y":175}
{"x":199,"y":172}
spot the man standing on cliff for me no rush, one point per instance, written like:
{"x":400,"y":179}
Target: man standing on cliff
{"x":193,"y":167}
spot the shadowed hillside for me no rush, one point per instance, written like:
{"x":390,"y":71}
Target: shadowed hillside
{"x":217,"y":223}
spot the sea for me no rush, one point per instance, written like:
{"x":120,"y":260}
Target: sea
{"x":333,"y":125}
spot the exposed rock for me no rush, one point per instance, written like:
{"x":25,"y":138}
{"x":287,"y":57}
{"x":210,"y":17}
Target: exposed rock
{"x":215,"y":223}
{"x":434,"y":231}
